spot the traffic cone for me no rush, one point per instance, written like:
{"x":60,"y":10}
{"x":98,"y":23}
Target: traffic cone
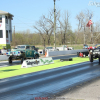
{"x":45,"y":54}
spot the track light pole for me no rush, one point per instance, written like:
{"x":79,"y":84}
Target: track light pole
{"x":54,"y":26}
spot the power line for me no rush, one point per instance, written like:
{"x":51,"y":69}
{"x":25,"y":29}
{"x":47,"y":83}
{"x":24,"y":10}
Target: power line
{"x":23,"y":22}
{"x":24,"y":18}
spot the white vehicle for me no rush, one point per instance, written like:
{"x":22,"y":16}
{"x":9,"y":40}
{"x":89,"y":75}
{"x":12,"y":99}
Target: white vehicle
{"x":49,"y":49}
{"x":64,"y":47}
{"x":3,"y":51}
{"x":70,"y":48}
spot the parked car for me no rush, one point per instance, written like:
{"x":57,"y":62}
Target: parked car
{"x":3,"y":51}
{"x":70,"y":48}
{"x":64,"y":47}
{"x":22,"y":52}
{"x":97,"y":46}
{"x":85,"y":46}
{"x":14,"y":49}
{"x":49,"y":48}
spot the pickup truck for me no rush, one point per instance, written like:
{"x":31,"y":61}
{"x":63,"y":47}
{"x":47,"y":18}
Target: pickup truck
{"x":35,"y":48}
{"x":22,"y":52}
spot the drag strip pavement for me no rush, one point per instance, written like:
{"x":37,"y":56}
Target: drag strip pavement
{"x":47,"y":83}
{"x":6,"y":63}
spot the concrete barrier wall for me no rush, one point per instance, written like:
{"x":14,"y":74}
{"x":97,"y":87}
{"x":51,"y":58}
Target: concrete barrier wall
{"x":3,"y":57}
{"x":57,"y":53}
{"x":51,"y":53}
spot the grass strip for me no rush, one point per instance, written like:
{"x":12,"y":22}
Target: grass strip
{"x":16,"y":70}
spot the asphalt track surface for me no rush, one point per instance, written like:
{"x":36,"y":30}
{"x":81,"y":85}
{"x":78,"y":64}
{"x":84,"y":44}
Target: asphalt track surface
{"x":48,"y":83}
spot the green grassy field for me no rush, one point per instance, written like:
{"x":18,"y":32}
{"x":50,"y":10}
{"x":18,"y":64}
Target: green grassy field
{"x":79,"y":46}
{"x":75,"y":46}
{"x":11,"y":71}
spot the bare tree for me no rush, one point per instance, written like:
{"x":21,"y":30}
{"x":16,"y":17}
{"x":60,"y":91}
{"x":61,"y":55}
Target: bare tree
{"x":88,"y":15}
{"x":81,"y":25}
{"x":64,"y":26}
{"x":45,"y":28}
{"x":83,"y":18}
{"x":80,"y":17}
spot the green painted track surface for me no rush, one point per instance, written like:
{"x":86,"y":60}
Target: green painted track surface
{"x":11,"y":71}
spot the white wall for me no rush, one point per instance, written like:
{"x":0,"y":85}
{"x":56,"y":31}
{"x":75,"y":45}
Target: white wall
{"x":3,"y":40}
{"x":4,"y":27}
{"x":51,"y":53}
{"x":8,"y":27}
{"x":3,"y":57}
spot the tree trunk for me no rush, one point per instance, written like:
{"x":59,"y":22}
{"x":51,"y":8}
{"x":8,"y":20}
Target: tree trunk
{"x":64,"y":38}
{"x":44,"y":43}
{"x":49,"y":41}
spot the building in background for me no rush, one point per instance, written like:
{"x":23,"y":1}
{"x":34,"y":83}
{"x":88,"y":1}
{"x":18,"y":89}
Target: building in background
{"x":5,"y":29}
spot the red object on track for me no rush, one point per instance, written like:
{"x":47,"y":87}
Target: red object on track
{"x":81,"y":54}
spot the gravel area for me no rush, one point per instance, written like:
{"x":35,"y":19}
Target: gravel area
{"x":86,"y":91}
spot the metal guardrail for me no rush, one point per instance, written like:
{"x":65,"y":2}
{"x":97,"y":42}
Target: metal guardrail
{"x":3,"y":57}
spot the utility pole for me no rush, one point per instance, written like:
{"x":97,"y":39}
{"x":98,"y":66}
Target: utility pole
{"x":54,"y":26}
{"x":14,"y":36}
{"x":91,"y":33}
{"x":84,"y":33}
